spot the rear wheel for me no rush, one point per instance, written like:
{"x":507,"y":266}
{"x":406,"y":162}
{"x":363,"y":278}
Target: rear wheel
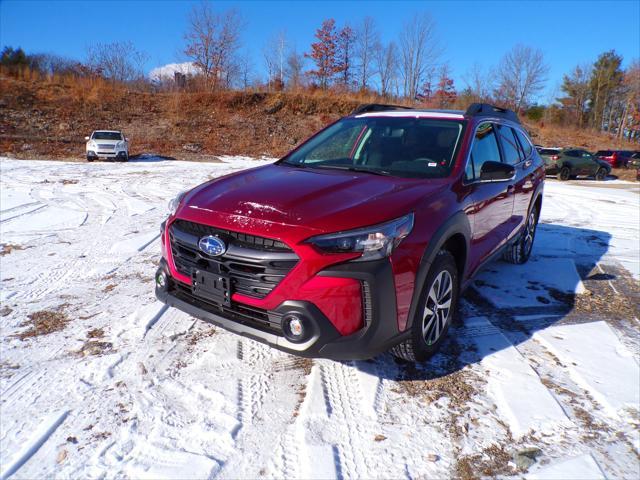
{"x":601,"y":174}
{"x":520,"y":251}
{"x":564,"y":174}
{"x":436,"y":309}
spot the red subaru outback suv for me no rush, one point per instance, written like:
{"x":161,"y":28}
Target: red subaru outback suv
{"x":362,"y":238}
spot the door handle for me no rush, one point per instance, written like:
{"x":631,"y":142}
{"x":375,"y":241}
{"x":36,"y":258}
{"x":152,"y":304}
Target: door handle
{"x":527,"y":164}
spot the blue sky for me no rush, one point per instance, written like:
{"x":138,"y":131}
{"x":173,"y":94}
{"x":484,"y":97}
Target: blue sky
{"x":568,"y":32}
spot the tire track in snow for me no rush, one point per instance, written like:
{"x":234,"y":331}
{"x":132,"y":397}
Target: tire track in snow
{"x":36,"y":440}
{"x":344,"y":401}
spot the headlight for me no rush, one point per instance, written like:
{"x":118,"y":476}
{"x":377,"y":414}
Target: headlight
{"x":175,"y":202}
{"x":373,"y":242}
{"x":120,"y":145}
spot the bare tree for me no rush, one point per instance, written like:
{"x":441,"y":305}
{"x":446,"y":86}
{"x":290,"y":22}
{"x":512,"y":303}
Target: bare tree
{"x":345,"y":46}
{"x":245,"y":69}
{"x":117,"y":61}
{"x":294,"y":68}
{"x":386,"y":63}
{"x":367,"y":40}
{"x":213,"y":40}
{"x":480,"y":83}
{"x":631,"y":114}
{"x":522,"y":74}
{"x":419,"y":52}
{"x":275,"y":58}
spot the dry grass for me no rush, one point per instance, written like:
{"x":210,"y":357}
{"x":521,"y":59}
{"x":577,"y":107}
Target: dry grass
{"x":558,"y":136}
{"x":492,"y":462}
{"x":43,"y":117}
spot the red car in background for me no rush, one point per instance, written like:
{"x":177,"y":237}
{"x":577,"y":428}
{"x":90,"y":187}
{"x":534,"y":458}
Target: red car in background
{"x":615,"y":158}
{"x":361,"y":239}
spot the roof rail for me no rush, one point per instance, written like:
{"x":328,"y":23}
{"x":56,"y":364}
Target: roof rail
{"x":377,"y":107}
{"x":488,"y":110}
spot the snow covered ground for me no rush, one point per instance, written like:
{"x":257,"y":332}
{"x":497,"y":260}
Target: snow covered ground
{"x":539,"y":379}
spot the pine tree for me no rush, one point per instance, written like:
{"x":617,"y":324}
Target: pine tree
{"x":606,"y":78}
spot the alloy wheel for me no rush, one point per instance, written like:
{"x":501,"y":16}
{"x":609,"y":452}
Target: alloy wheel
{"x":529,"y":233}
{"x":437,"y":308}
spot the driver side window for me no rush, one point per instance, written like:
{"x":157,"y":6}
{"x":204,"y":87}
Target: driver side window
{"x":485,"y":149}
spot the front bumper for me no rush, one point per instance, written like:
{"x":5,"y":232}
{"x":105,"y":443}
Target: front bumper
{"x":379,"y":333}
{"x":109,"y":154}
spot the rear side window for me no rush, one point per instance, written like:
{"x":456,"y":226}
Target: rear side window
{"x":525,"y":143}
{"x":485,"y":149}
{"x":510,"y":145}
{"x":549,"y":151}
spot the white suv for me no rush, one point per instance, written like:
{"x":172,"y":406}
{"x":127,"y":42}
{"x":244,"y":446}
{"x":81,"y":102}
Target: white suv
{"x":107,"y":144}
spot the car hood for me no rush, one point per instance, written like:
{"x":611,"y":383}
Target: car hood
{"x":106,"y":142}
{"x":322,"y":200}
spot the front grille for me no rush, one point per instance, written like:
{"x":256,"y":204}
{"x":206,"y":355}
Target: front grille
{"x":106,"y":146}
{"x":250,"y":316}
{"x":252,"y":272}
{"x":235,"y":238}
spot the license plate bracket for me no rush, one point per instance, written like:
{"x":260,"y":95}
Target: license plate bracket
{"x":211,"y":286}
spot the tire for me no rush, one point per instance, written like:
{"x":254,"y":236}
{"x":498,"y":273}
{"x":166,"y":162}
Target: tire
{"x":520,"y":251}
{"x":601,"y":174}
{"x":564,"y":174}
{"x":429,"y":329}
{"x":89,"y":159}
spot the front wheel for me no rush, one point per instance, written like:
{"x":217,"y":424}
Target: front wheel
{"x":601,"y":174}
{"x":564,"y":174}
{"x":436,"y":309}
{"x":520,"y":251}
{"x":89,"y":159}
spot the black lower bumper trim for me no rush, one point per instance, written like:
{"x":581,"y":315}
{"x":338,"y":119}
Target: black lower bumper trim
{"x":324,"y":341}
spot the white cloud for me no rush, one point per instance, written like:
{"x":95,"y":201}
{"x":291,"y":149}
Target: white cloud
{"x":166,"y":71}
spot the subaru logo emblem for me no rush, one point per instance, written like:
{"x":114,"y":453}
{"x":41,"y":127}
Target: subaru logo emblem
{"x":211,"y":245}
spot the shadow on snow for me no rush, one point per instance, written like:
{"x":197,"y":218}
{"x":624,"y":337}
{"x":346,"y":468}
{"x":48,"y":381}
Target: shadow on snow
{"x":506,"y":304}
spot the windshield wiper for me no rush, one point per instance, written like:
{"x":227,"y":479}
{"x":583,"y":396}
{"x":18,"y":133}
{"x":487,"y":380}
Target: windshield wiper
{"x":353,"y":168}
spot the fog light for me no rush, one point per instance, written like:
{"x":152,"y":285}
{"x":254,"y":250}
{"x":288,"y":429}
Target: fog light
{"x":295,"y":328}
{"x":161,"y":279}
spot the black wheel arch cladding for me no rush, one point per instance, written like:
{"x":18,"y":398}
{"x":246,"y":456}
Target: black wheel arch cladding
{"x":457,"y":224}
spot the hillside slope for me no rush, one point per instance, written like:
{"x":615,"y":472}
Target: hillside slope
{"x":50,"y":119}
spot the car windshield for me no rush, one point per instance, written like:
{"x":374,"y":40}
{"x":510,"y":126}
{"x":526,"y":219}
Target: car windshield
{"x":107,"y":136}
{"x":398,"y":146}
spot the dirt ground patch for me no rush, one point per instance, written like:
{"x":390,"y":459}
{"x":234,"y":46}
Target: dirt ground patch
{"x":44,"y":322}
{"x":7,"y":248}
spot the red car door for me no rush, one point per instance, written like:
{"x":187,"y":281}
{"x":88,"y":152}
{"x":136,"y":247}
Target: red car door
{"x":492,"y":202}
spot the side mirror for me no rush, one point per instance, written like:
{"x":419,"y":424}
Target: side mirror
{"x":87,"y":139}
{"x":126,"y":139}
{"x":497,"y":172}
